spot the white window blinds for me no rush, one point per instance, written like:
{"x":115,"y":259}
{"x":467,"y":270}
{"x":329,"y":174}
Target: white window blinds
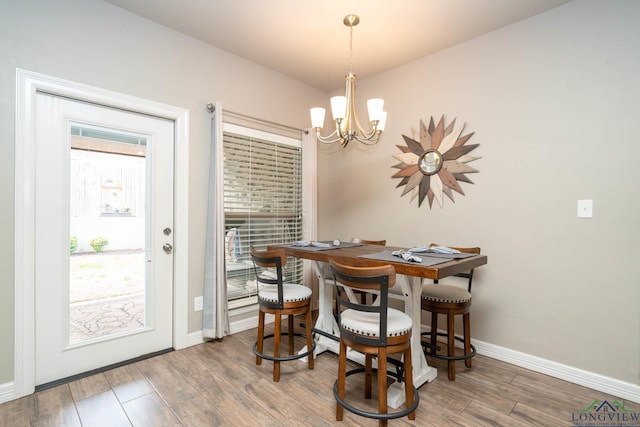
{"x":262,"y":204}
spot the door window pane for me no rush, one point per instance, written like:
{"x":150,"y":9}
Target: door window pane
{"x":107,"y":233}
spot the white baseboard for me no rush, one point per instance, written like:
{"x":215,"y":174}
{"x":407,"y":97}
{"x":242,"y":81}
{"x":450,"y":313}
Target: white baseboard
{"x":246,"y":324}
{"x":573,"y":375}
{"x":6,"y":392}
{"x":196,"y":338}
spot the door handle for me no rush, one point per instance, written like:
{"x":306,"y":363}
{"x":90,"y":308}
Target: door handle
{"x":167,"y":248}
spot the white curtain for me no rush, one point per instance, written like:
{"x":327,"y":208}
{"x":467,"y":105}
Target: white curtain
{"x":215,"y":316}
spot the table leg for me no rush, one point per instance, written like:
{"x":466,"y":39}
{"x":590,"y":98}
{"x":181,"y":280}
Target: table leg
{"x":422,"y":372}
{"x":325,"y":323}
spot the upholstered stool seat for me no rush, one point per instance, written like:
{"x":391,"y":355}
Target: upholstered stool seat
{"x":450,"y":301}
{"x":280,"y":299}
{"x":368,"y":324}
{"x":445,"y":293}
{"x":290,"y":293}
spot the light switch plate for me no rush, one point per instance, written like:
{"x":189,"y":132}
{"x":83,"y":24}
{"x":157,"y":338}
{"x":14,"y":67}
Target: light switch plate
{"x":585,"y":208}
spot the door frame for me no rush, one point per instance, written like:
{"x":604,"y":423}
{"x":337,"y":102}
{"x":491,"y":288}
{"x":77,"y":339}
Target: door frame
{"x":28,"y":83}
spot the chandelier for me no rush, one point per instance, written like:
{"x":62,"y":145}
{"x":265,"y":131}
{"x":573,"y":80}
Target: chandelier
{"x":343,"y":109}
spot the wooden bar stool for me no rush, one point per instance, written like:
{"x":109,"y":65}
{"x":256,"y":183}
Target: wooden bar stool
{"x":451,"y":301}
{"x":280,"y":299}
{"x":375,"y":330}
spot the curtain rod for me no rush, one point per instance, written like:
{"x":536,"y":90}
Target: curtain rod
{"x":210,"y":108}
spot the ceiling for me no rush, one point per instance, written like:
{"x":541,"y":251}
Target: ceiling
{"x":306,"y":39}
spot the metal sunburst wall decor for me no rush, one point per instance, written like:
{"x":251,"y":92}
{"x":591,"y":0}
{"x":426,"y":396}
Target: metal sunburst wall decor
{"x":434,"y":162}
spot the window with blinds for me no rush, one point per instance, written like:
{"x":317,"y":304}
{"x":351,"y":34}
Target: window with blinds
{"x":262,"y":204}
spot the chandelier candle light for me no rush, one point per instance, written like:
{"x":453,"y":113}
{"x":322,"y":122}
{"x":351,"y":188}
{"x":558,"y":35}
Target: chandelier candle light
{"x":343,"y":109}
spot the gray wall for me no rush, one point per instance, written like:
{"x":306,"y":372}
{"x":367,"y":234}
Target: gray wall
{"x":554,"y":104}
{"x":95,"y":43}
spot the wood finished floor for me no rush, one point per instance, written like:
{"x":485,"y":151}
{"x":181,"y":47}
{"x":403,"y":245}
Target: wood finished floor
{"x":218,"y":384}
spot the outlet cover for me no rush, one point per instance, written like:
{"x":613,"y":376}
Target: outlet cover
{"x":198,"y":303}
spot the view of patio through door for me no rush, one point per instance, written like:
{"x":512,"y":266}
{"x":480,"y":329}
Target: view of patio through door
{"x":107,"y":229}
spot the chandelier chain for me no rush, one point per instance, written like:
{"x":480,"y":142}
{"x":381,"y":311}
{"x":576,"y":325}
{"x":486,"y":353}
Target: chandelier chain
{"x":350,"y":49}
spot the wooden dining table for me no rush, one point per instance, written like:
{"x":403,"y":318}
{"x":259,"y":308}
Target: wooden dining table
{"x":410,"y":278}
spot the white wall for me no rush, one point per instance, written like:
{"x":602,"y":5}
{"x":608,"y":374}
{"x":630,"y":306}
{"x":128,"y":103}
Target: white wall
{"x":95,"y":43}
{"x":554,"y":104}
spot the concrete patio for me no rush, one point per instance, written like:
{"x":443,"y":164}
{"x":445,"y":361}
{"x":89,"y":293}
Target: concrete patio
{"x":106,"y":293}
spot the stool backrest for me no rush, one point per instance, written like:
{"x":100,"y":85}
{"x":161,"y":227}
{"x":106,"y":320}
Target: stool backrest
{"x":374,"y":279}
{"x":466,"y":275}
{"x":275,"y":259}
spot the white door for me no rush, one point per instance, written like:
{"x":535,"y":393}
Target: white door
{"x":104,"y":236}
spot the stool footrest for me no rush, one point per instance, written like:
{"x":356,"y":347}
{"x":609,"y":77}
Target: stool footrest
{"x":326,"y":334}
{"x":375,"y":415}
{"x":283,"y":358}
{"x":429,"y":345}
